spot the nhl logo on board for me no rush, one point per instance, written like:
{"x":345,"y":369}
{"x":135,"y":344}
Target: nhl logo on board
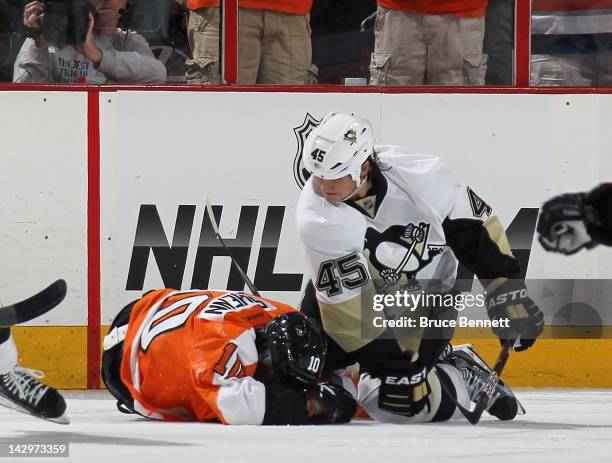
{"x":300,"y":174}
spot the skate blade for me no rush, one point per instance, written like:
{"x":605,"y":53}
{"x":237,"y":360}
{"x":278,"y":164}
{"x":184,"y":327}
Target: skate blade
{"x":59,"y":420}
{"x":480,"y":361}
{"x":13,"y":406}
{"x":522,"y":410}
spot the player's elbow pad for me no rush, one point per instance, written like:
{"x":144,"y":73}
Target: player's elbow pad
{"x":474,"y":247}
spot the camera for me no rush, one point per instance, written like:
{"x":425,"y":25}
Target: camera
{"x":65,"y":22}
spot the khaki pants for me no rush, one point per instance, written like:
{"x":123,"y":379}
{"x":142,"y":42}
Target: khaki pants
{"x":416,"y":49}
{"x":573,"y":70}
{"x":273,"y":47}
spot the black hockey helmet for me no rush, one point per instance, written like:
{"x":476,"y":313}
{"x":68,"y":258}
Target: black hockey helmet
{"x":293,"y":346}
{"x":111,"y":361}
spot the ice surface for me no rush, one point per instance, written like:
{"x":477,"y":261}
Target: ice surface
{"x":560,"y":426}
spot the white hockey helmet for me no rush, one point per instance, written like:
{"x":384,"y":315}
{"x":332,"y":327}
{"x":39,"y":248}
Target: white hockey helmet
{"x":339,"y":146}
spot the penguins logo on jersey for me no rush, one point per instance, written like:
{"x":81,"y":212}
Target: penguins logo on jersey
{"x":300,"y":174}
{"x":400,"y":250}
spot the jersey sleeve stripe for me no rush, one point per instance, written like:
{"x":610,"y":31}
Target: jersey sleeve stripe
{"x":228,"y":352}
{"x":235,"y":370}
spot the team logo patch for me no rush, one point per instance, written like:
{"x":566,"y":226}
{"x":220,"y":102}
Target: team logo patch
{"x":479,"y":207}
{"x":351,"y":136}
{"x":400,"y":251}
{"x":300,"y":174}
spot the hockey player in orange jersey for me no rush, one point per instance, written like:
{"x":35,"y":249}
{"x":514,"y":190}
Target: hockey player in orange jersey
{"x":220,"y":356}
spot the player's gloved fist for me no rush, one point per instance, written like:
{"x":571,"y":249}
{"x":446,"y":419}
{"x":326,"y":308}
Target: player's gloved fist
{"x":330,"y":404}
{"x":404,"y":391}
{"x":510,"y":304}
{"x":564,"y":222}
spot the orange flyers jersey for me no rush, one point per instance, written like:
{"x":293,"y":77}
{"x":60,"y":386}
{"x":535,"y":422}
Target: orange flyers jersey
{"x":190,"y":355}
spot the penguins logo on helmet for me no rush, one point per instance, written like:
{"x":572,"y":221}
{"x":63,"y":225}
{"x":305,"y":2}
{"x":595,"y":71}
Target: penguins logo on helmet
{"x":336,"y":135}
{"x":351,"y":136}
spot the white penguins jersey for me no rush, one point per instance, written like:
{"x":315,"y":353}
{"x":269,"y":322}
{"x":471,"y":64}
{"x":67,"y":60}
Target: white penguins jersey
{"x":414,"y":223}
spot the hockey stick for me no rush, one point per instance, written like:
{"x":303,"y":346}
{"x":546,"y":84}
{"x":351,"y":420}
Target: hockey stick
{"x":213,"y":222}
{"x":34,"y":306}
{"x":473,"y":416}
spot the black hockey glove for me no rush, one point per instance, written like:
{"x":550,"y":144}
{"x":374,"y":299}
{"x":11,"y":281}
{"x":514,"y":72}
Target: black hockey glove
{"x":330,"y":404}
{"x":571,"y":222}
{"x":510,"y":304}
{"x":404,"y":389}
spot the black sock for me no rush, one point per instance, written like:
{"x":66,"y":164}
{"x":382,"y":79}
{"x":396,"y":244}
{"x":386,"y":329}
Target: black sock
{"x":5,"y":333}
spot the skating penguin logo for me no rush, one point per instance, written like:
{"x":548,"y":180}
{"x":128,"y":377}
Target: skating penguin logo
{"x":400,"y":251}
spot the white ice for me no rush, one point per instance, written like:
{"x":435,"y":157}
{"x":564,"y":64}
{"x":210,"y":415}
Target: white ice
{"x":561,"y":425}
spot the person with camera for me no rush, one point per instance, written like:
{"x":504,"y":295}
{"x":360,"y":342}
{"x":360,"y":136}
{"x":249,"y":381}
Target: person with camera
{"x":78,"y":41}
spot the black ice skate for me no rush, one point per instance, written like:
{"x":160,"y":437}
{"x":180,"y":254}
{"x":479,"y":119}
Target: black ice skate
{"x":21,"y":391}
{"x":474,"y":370}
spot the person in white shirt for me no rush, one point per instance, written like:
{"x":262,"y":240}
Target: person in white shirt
{"x":108,"y":54}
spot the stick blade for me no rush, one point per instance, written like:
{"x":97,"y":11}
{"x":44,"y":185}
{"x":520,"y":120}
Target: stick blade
{"x":34,"y":306}
{"x":473,"y":416}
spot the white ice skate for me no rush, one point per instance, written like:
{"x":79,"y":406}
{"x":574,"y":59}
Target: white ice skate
{"x":475,"y":371}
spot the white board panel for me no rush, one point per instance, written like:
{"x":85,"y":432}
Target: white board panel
{"x":43,"y":199}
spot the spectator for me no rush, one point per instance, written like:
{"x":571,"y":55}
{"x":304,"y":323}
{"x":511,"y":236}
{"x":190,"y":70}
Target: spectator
{"x":435,"y":42}
{"x":572,"y":43}
{"x":108,"y":55}
{"x":163,"y":23}
{"x":499,"y":42}
{"x":10,"y":36}
{"x":273,"y":42}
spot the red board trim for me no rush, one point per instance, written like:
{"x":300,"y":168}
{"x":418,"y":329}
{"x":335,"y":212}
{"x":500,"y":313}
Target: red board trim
{"x":93,"y":240}
{"x":230,"y":41}
{"x":306,"y":89}
{"x":522,"y":40}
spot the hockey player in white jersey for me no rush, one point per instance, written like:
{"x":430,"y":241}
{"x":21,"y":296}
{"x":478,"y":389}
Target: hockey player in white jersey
{"x":377,"y":218}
